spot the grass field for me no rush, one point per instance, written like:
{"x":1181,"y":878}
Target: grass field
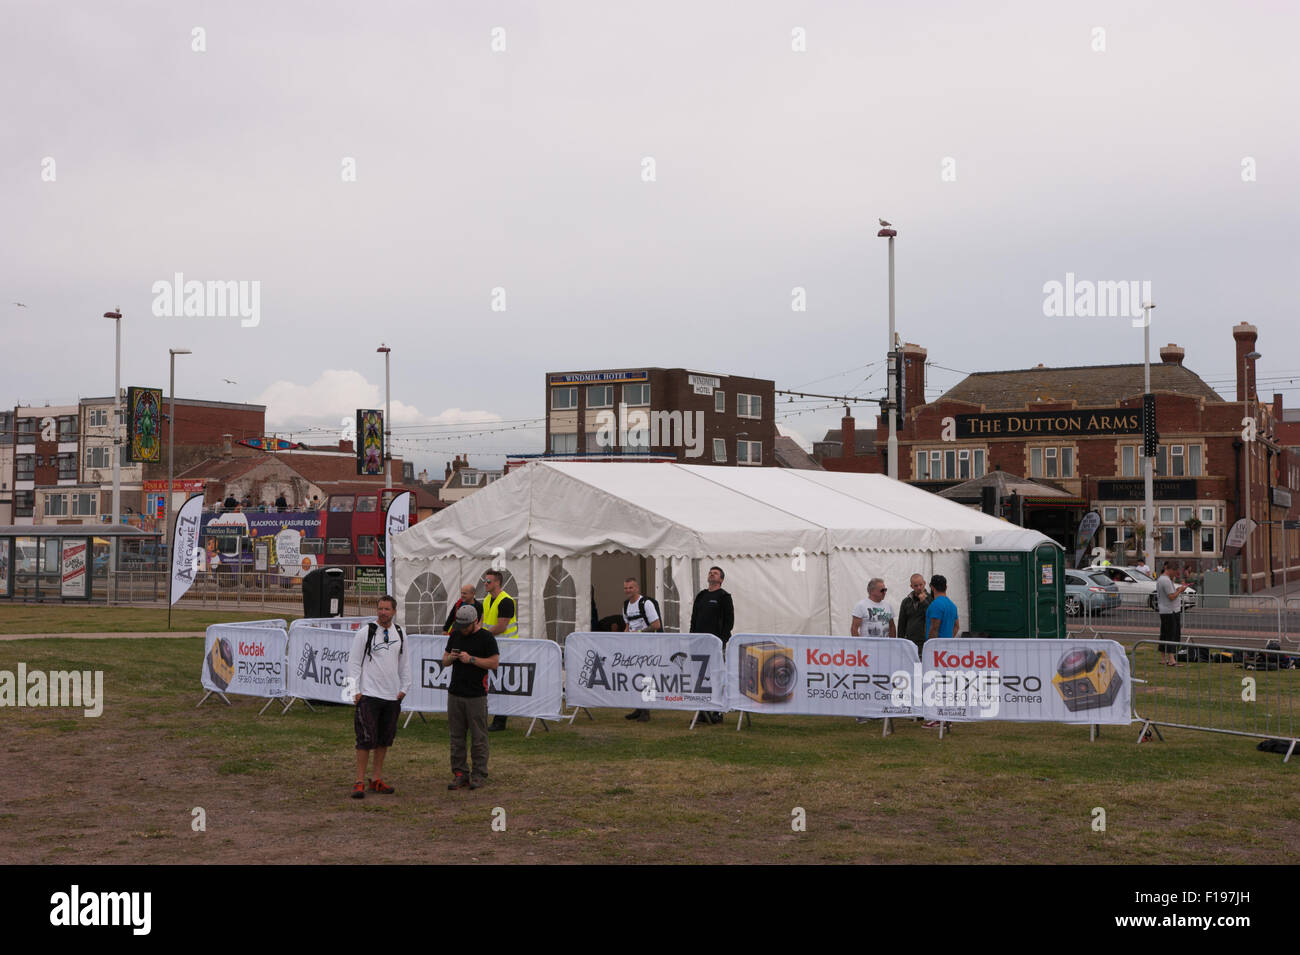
{"x":73,"y":618}
{"x":123,"y":787}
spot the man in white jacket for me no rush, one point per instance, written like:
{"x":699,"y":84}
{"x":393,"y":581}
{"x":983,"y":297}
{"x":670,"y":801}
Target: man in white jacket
{"x":380,"y":679}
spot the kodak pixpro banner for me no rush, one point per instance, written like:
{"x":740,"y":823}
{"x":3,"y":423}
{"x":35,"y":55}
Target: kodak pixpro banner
{"x":842,"y":676}
{"x":244,"y":658}
{"x":1056,"y":681}
{"x":527,"y":681}
{"x":664,"y":671}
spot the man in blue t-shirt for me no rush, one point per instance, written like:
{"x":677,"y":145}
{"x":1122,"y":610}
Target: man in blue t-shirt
{"x":940,"y":623}
{"x":941,"y":615}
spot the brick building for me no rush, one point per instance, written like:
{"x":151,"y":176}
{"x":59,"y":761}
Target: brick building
{"x":1079,"y":429}
{"x":60,"y":465}
{"x":694,"y":417}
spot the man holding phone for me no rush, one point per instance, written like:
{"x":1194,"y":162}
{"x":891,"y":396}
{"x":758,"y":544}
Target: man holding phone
{"x":471,"y":652}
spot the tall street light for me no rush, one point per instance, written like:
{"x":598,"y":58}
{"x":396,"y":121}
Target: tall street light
{"x":1148,"y":460}
{"x":171,"y":453}
{"x":116,"y":316}
{"x":892,"y":462}
{"x":388,"y":422}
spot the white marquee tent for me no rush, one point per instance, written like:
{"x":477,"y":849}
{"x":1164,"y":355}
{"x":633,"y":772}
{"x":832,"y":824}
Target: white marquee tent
{"x":798,"y":547}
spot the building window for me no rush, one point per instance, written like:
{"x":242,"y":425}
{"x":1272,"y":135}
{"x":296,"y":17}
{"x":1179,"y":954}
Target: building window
{"x":564,"y":399}
{"x":365,"y":544}
{"x":426,"y":603}
{"x":1177,"y":462}
{"x":1110,"y":514}
{"x":1166,"y":515}
{"x":84,"y":505}
{"x":635,"y":396}
{"x":99,"y":417}
{"x":1128,"y":461}
{"x":600,"y":396}
{"x":749,"y":452}
{"x":564,"y":443}
{"x":599,"y":440}
{"x":749,"y":406}
{"x":1207,"y":540}
{"x":1166,"y":539}
{"x":56,"y":505}
{"x":26,"y":467}
{"x":961,"y":463}
{"x":1162,"y":461}
{"x":560,"y":603}
{"x":99,"y":457}
{"x":638,"y":437}
{"x":720,"y":450}
{"x":67,"y":428}
{"x":26,"y":430}
{"x":1051,"y":462}
{"x":68,"y":466}
{"x":720,"y":402}
{"x":470,"y":478}
{"x":24,"y":503}
{"x":1194,"y":460}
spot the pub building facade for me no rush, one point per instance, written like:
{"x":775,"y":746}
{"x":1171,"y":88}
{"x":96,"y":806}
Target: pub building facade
{"x":1079,"y":430}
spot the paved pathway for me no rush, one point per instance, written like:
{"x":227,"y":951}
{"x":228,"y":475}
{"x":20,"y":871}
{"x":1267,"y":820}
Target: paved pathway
{"x":101,"y":636}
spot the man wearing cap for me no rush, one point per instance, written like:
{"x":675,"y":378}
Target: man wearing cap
{"x":471,"y":652}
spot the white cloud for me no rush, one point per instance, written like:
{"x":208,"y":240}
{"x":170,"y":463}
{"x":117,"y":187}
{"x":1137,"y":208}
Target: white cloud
{"x":337,"y":394}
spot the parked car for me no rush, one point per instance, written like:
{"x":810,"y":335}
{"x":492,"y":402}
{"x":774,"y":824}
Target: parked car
{"x":1090,"y":589}
{"x":1130,"y":580}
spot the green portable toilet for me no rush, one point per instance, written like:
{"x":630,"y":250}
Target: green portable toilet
{"x":1017,"y":587}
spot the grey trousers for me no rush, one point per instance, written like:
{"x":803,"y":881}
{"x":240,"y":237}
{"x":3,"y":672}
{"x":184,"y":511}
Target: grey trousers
{"x":468,"y":714}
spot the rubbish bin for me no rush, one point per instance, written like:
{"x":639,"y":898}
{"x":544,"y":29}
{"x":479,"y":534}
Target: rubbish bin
{"x":322,"y":592}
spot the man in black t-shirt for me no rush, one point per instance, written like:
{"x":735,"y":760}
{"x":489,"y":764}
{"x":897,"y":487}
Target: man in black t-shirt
{"x":470,"y":652}
{"x":714,"y":613}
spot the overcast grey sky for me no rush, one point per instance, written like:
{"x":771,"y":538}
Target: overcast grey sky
{"x":523,"y":169}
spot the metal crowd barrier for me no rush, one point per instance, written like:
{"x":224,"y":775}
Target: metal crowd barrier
{"x":1217,"y":688}
{"x":1240,"y":619}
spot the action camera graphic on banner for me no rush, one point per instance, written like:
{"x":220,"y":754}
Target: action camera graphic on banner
{"x":221,"y":663}
{"x":1086,"y":679}
{"x":767,"y":672}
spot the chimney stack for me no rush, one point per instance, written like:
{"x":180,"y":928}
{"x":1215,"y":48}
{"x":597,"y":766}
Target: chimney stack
{"x":1245,"y":335}
{"x":848,"y":437}
{"x":913,"y":376}
{"x":227,"y":449}
{"x":1171,"y":354}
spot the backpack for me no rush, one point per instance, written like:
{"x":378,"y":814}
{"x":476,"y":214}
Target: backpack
{"x":374,"y":628}
{"x":640,"y":610}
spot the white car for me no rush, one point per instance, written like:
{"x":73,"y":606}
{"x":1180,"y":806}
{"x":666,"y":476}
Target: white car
{"x":1131,"y":581}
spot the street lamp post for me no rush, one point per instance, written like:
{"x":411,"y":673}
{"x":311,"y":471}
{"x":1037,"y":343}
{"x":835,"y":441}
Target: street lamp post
{"x":1148,"y":461}
{"x":388,"y":421}
{"x":116,"y":316}
{"x":888,"y":404}
{"x":171,"y":463}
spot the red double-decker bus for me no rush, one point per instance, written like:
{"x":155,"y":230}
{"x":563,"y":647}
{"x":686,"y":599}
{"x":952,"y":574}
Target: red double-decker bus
{"x":354,"y":526}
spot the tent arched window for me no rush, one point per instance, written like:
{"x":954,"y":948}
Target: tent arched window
{"x":426,"y":603}
{"x":561,"y":602}
{"x":672,"y":606}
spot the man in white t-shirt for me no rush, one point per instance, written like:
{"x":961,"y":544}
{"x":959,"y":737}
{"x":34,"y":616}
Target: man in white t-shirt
{"x":639,"y":616}
{"x":873,"y":616}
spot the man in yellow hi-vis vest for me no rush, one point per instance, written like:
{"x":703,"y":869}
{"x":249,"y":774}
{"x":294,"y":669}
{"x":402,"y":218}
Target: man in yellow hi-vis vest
{"x":501,"y":619}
